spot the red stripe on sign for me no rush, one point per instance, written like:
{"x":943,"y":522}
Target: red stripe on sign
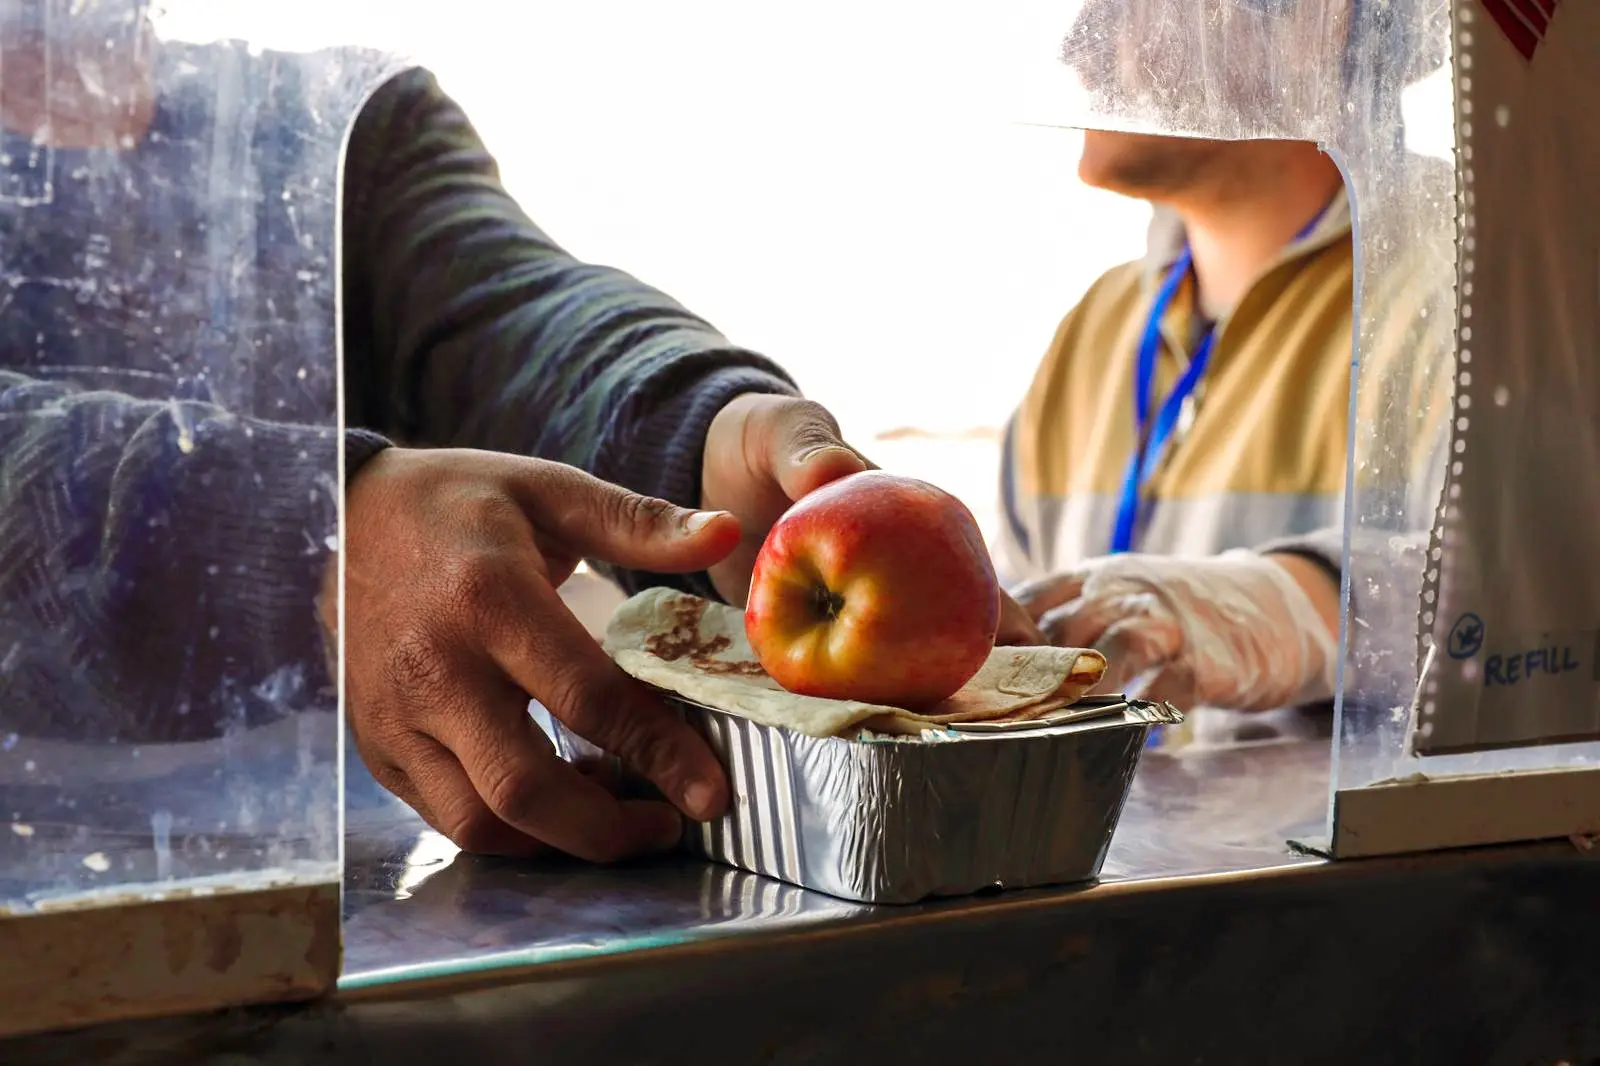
{"x":1524,"y":22}
{"x":1537,"y":18}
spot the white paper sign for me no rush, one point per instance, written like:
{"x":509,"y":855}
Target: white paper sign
{"x":1513,"y":609}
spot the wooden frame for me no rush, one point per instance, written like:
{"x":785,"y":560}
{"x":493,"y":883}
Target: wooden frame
{"x":1420,"y":813}
{"x":93,"y":963}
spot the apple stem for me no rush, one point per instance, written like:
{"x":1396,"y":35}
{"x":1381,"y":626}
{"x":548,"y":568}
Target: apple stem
{"x":830,"y":603}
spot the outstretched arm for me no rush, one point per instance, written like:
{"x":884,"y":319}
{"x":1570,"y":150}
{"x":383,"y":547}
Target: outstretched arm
{"x":466,"y":325}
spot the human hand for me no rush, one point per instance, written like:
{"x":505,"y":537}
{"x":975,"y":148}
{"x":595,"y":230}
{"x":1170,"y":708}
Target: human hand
{"x":764,"y":452}
{"x":1239,"y":630}
{"x":1017,"y":627}
{"x":453,"y":622}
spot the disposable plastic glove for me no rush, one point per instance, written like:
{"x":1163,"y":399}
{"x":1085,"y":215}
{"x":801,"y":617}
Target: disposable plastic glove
{"x":1234,"y":630}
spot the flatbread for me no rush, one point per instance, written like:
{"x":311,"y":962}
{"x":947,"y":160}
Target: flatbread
{"x":698,"y":650}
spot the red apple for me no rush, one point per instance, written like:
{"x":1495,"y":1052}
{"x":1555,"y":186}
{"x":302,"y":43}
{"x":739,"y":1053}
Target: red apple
{"x":875,"y":588}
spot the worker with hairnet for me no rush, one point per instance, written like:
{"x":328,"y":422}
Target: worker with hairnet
{"x":1173,"y":482}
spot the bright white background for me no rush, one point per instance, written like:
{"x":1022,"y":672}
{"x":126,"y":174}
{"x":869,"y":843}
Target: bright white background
{"x":847,"y":186}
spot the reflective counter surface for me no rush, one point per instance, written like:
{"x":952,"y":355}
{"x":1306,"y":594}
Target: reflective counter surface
{"x":1208,"y":939}
{"x":416,"y":908}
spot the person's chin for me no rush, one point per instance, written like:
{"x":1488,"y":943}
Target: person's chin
{"x":1094,"y":171}
{"x":1107,"y":162}
{"x":1108,"y":178}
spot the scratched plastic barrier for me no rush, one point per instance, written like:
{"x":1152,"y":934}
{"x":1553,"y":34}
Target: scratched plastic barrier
{"x":168,"y":494}
{"x":1442,"y":504}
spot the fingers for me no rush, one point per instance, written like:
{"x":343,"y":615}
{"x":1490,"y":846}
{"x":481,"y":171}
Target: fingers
{"x":1142,"y":639}
{"x":1175,"y":684}
{"x":1017,"y":629}
{"x":454,"y":740}
{"x":510,"y":765}
{"x":598,"y":520}
{"x":1080,"y":622}
{"x":452,"y":625}
{"x":432,"y":783}
{"x":1114,"y":682}
{"x":762,"y":453}
{"x":549,"y":654}
{"x":1042,"y":595}
{"x":1137,"y":646}
{"x":793,"y":442}
{"x":806,"y":449}
{"x":1134,"y":631}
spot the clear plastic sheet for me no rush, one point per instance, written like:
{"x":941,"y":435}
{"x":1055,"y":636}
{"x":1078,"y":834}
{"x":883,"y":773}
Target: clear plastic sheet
{"x":168,"y":342}
{"x":1348,"y":75}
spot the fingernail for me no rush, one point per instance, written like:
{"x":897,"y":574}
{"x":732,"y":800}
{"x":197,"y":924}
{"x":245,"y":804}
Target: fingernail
{"x":699,"y":520}
{"x":700,"y":799}
{"x":807,"y":456}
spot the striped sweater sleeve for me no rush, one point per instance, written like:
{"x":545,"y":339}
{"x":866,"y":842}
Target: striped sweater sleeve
{"x":159,"y":565}
{"x":466,"y":325}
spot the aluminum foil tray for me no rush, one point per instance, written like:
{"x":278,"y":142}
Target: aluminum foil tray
{"x":897,"y":820}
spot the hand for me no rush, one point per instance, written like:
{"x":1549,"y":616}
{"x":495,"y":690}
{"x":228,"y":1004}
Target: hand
{"x":453,"y":623}
{"x":1239,"y":630}
{"x":764,"y":452}
{"x":1017,"y":627}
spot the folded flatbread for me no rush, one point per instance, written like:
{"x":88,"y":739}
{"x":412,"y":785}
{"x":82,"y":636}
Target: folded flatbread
{"x":698,"y":650}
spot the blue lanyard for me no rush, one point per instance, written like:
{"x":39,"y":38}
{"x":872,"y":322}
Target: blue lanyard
{"x":1147,"y":448}
{"x":1151,"y":440}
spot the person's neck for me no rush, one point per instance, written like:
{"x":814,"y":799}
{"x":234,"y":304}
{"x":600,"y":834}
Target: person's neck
{"x":1233,"y":237}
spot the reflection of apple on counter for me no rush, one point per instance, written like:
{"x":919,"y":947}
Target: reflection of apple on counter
{"x":875,"y":588}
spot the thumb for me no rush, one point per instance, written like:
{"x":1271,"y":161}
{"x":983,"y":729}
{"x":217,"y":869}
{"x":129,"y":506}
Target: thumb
{"x":598,"y":520}
{"x":1135,"y":648}
{"x":807,"y":451}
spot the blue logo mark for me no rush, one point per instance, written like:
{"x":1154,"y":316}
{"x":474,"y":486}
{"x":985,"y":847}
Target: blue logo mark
{"x":1466,"y":637}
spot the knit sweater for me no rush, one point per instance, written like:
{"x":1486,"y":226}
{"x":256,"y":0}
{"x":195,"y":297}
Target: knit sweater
{"x":167,"y":512}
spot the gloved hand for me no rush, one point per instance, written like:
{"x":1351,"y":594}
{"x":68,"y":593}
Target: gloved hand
{"x":1238,"y":630}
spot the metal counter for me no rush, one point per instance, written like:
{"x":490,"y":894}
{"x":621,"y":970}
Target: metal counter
{"x":415,"y":909}
{"x":1207,"y":940}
